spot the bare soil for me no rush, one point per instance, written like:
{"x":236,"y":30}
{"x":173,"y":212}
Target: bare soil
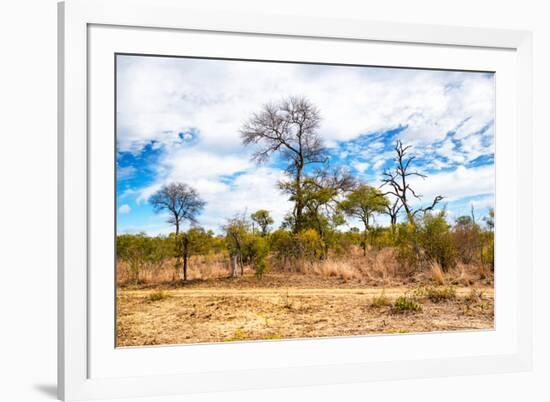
{"x":285,"y":305}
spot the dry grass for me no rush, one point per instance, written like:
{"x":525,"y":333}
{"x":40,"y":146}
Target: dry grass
{"x":381,"y":300}
{"x":200,"y":267}
{"x":158,"y":295}
{"x":352,"y":295}
{"x":312,"y":307}
{"x":437,"y":273}
{"x":378,"y":268}
{"x":435,"y":294}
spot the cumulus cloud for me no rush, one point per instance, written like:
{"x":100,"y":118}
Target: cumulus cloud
{"x":191,"y":110}
{"x":159,"y":97}
{"x":456,"y":184}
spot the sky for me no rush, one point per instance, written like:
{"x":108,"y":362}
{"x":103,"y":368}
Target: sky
{"x":178,"y":120}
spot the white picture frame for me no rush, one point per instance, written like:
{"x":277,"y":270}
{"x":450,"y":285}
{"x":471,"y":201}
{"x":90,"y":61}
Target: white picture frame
{"x":89,"y":369}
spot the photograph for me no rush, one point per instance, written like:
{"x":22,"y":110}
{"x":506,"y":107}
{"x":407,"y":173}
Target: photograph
{"x":266,"y":200}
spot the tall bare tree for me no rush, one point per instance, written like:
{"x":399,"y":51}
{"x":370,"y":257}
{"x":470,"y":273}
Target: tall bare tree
{"x":288,"y":128}
{"x":397,"y":180}
{"x":182,"y":203}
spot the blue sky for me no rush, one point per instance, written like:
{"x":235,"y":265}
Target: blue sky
{"x":178,"y":120}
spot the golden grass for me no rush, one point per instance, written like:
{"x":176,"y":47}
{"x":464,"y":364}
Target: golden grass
{"x":437,"y":273}
{"x":158,"y":295}
{"x":200,"y":267}
{"x":377,"y":268}
{"x":338,"y":296}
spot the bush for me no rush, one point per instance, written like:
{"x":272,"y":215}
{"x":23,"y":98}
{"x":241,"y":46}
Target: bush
{"x":466,"y":239}
{"x":436,"y":294}
{"x":158,"y":295}
{"x":294,"y":249}
{"x":435,"y":238}
{"x":408,"y":255}
{"x":406,"y":304}
{"x":308,"y":245}
{"x":259,"y":251}
{"x":281,"y":245}
{"x":143,"y":253}
{"x":428,"y":240}
{"x":341,"y":243}
{"x":380,"y":237}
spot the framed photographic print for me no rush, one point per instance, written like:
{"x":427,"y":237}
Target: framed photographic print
{"x":259,"y":201}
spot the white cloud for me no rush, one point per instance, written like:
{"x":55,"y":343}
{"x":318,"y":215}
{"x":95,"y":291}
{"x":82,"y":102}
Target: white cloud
{"x":361,"y":166}
{"x":249,"y":192}
{"x":456,"y":184}
{"x":485,"y":202}
{"x":159,"y":98}
{"x":124,"y":209}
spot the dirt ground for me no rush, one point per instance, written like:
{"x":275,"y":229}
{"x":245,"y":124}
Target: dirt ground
{"x":282,"y":306}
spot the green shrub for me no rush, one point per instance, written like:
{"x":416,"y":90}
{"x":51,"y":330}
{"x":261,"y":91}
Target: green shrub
{"x":143,"y":253}
{"x":281,"y":245}
{"x":428,"y":240}
{"x":292,"y":249}
{"x":259,"y":251}
{"x":436,"y":294}
{"x":408,"y":255}
{"x":406,"y":304}
{"x":308,"y":245}
{"x":434,"y":236}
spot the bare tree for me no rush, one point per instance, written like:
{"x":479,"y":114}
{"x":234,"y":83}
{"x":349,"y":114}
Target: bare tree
{"x":290,"y":129}
{"x":182,"y":203}
{"x":397,"y":180}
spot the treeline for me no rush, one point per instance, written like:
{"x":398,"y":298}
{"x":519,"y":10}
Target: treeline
{"x":324,"y":199}
{"x":246,"y":243}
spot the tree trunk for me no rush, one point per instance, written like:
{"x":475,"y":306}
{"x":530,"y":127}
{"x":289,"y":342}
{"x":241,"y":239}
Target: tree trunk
{"x":185,"y":256}
{"x":299,"y":201}
{"x":178,"y":257}
{"x":393,"y":223}
{"x":366,"y":223}
{"x":233,"y":265}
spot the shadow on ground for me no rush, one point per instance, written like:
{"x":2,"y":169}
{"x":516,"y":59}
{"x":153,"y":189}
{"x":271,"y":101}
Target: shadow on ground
{"x":47,"y":389}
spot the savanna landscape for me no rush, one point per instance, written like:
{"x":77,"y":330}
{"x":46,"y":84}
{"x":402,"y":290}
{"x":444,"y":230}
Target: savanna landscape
{"x":289,"y":231}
